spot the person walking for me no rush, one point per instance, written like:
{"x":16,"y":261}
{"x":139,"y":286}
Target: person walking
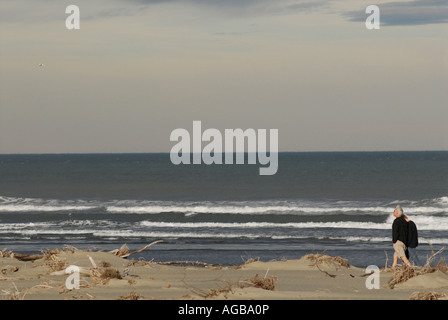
{"x":412,"y":242}
{"x":399,"y":237}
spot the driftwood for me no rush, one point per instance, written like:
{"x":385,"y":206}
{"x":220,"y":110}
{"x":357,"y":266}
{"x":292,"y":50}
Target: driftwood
{"x":120,"y":252}
{"x":189,"y":263}
{"x":433,"y":255}
{"x":320,"y":258}
{"x":123,"y":252}
{"x":103,"y":273}
{"x":71,"y":268}
{"x":26,"y":257}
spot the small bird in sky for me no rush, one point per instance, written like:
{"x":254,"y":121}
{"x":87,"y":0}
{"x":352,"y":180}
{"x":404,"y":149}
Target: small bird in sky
{"x":40,"y":64}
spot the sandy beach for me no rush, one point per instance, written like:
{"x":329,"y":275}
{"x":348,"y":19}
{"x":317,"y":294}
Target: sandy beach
{"x":107,"y":276}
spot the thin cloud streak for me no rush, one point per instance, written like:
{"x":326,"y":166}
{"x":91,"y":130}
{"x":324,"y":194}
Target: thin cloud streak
{"x":250,"y":6}
{"x":418,"y":12}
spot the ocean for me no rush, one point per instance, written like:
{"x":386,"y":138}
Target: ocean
{"x":337,"y":203}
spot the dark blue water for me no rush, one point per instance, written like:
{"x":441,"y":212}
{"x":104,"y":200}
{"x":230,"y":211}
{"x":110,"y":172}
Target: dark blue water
{"x":337,"y":203}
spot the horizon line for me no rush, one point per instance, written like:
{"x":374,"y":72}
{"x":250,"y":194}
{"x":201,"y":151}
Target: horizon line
{"x":246,"y":152}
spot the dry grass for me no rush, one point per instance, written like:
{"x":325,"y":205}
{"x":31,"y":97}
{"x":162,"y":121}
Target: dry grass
{"x":320,"y":258}
{"x":53,"y":261}
{"x":216,"y":292}
{"x":401,"y":274}
{"x":131,"y":296}
{"x":246,"y":262}
{"x":17,"y":294}
{"x":110,"y":273}
{"x":138,"y":263}
{"x":428,"y":295}
{"x":441,"y":266}
{"x":57,"y":265}
{"x":251,"y":260}
{"x":404,"y":273}
{"x":266,"y":283}
{"x":5,"y":253}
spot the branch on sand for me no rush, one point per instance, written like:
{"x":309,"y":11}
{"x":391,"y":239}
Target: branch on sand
{"x":95,"y":271}
{"x":317,"y":259}
{"x":123,"y":252}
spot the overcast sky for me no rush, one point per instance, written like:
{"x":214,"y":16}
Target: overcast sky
{"x":138,"y":69}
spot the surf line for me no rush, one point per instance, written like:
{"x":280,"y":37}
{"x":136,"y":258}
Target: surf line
{"x":188,"y":147}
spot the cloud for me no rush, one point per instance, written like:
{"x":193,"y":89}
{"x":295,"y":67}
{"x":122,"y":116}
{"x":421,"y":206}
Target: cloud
{"x":417,"y":12}
{"x":393,"y":13}
{"x":38,"y":11}
{"x":250,"y":6}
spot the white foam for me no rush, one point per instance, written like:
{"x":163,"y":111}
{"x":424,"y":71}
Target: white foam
{"x":295,"y":207}
{"x":257,"y":225}
{"x":41,"y":208}
{"x":212,"y":209}
{"x":423,"y":223}
{"x":443,"y":200}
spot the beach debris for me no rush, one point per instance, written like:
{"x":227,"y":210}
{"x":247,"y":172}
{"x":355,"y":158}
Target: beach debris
{"x":227,"y":287}
{"x":12,"y":295}
{"x":70,"y":269}
{"x":323,"y":258}
{"x":428,"y":295}
{"x":46,"y":254}
{"x":100,"y":274}
{"x":110,"y":273}
{"x":191,"y":263}
{"x":404,"y":273}
{"x":92,"y":262}
{"x":318,"y":259}
{"x":251,"y":260}
{"x":433,"y":255}
{"x":131,"y":296}
{"x":123,"y":252}
{"x":26,"y":257}
{"x":120,"y":252}
{"x":5,"y":253}
{"x":20,"y":295}
{"x":266,"y":283}
{"x":9,"y":268}
{"x":70,"y":248}
{"x":401,"y":274}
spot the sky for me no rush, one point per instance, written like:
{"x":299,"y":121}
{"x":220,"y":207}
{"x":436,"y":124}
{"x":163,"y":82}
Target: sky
{"x":138,"y":69}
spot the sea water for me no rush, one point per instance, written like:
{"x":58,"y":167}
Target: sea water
{"x":337,"y":203}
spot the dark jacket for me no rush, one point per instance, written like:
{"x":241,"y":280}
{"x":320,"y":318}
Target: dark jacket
{"x":412,"y":235}
{"x":400,"y":230}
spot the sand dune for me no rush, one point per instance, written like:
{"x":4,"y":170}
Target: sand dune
{"x":105,"y":276}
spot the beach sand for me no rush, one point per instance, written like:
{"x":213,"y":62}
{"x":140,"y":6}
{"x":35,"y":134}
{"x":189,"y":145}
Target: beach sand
{"x":106,"y":276}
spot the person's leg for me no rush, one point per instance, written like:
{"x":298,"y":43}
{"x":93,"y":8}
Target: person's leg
{"x":416,"y":259}
{"x":413,"y":257}
{"x":394,"y":263}
{"x":405,"y":260}
{"x":399,"y":248}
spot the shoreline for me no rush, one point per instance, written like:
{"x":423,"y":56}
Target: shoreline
{"x":115,"y":276}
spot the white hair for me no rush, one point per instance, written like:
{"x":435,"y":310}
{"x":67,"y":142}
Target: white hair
{"x":399,"y":210}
